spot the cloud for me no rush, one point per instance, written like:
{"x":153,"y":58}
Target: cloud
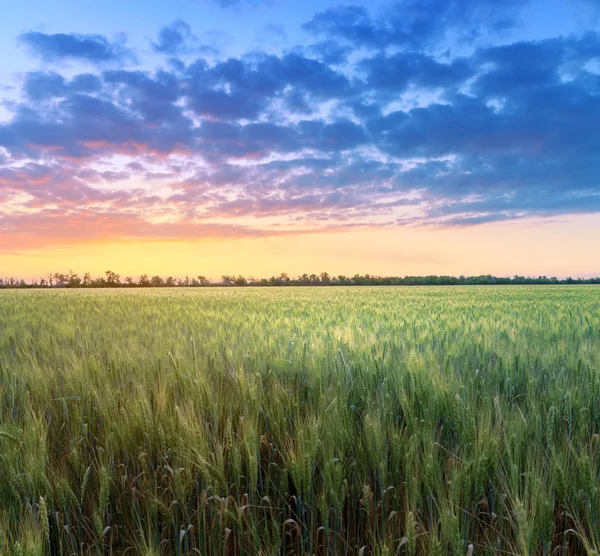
{"x":224,"y":105}
{"x":86,"y":83}
{"x":173,"y":39}
{"x":547,"y":118}
{"x":42,"y":86}
{"x":239,"y":3}
{"x":415,"y":23}
{"x":241,"y":89}
{"x":332,"y":135}
{"x":524,"y":66}
{"x":330,"y":52}
{"x":138,"y":111}
{"x":90,"y":48}
{"x":52,"y":228}
{"x":401,"y":70}
{"x":177,"y":39}
{"x":61,"y":208}
{"x":151,"y":97}
{"x":273,"y":32}
{"x":339,"y":135}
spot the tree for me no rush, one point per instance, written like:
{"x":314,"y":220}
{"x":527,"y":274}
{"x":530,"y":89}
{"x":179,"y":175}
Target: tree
{"x":112,"y":278}
{"x":156,"y":281}
{"x":73,"y":280}
{"x":240,"y":281}
{"x":60,"y":279}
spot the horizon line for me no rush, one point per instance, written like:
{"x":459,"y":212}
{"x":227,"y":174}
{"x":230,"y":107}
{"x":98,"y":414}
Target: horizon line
{"x":112,"y":279}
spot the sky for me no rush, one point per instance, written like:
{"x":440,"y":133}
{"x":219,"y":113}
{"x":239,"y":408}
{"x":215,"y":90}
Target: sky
{"x":257,"y":137}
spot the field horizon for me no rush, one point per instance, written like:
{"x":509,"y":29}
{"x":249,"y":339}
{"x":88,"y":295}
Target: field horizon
{"x":112,"y":279}
{"x":422,"y":420}
{"x":367,"y":315}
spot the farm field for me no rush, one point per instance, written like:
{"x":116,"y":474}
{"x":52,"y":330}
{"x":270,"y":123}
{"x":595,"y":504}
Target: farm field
{"x":370,"y":421}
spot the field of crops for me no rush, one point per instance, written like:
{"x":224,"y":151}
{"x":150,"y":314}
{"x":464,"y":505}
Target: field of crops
{"x":364,"y":421}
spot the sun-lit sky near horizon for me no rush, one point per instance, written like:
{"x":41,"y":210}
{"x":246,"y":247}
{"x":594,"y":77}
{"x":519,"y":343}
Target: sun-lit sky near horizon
{"x":257,"y":137}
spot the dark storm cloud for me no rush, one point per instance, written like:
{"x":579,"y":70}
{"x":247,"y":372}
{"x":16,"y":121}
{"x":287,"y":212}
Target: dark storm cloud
{"x":61,"y":46}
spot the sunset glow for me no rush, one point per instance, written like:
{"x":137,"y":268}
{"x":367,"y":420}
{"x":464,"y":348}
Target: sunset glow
{"x":217,"y":137}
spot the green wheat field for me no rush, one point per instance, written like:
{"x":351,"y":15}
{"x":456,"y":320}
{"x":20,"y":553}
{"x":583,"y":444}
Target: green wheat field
{"x":368,"y":421}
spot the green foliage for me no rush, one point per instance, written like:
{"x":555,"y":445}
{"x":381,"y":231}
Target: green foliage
{"x":306,"y":421}
{"x":113,"y":280}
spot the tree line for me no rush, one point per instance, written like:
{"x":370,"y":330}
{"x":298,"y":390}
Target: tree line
{"x":113,"y":280}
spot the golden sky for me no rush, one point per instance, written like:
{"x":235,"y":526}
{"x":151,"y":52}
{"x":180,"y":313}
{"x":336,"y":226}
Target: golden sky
{"x":565,"y":247}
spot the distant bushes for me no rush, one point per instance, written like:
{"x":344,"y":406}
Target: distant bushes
{"x":114,"y":280}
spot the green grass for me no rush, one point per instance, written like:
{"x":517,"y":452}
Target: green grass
{"x":301,"y":421}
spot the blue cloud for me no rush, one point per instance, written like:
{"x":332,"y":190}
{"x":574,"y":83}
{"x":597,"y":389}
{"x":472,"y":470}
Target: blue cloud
{"x":173,"y":39}
{"x":331,"y":52}
{"x":238,"y":3}
{"x":40,"y":86}
{"x":526,"y":66}
{"x":352,"y":23}
{"x":416,"y":23}
{"x":505,"y":132}
{"x":239,"y":89}
{"x":315,"y":77}
{"x":339,"y":135}
{"x":398,"y":71}
{"x":162,"y":87}
{"x":44,"y":86}
{"x":220,"y":104}
{"x":86,"y":83}
{"x":90,"y":48}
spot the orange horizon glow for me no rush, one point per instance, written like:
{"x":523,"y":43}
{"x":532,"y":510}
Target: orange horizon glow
{"x":566,"y":247}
